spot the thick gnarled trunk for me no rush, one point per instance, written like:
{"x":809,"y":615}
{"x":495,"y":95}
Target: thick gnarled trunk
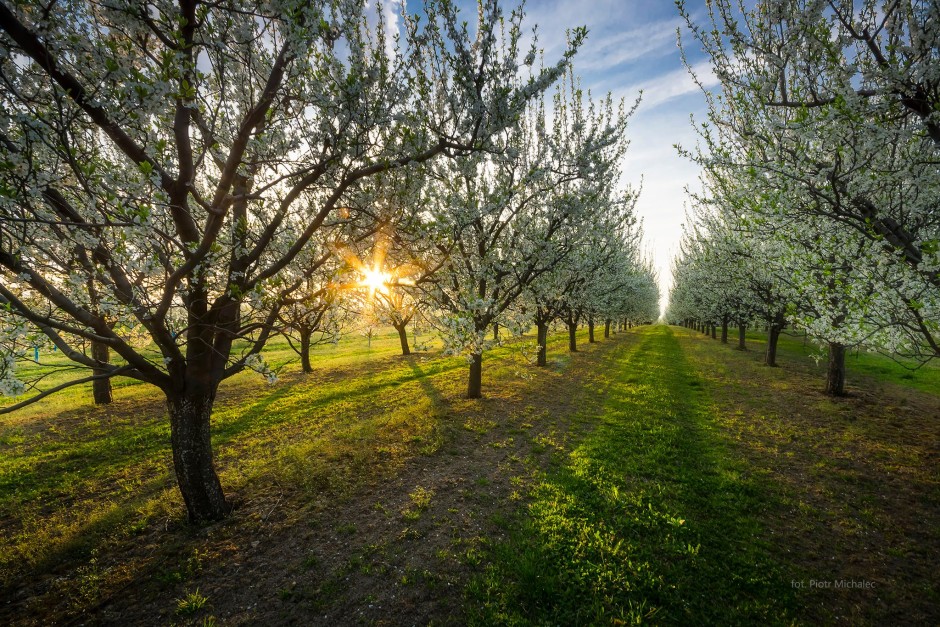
{"x":835,"y":372}
{"x":101,"y":388}
{"x":573,"y":336}
{"x":190,"y":414}
{"x":591,"y":330}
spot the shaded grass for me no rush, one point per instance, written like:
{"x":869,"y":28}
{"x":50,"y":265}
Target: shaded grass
{"x":80,"y":484}
{"x":649,"y":517}
{"x":858,"y":477}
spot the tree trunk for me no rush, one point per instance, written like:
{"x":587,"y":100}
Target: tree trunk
{"x":495,"y":331}
{"x":542,"y":334}
{"x":305,"y":351}
{"x":403,"y":337}
{"x":724,"y":329}
{"x":835,"y":375}
{"x":606,"y":329}
{"x":573,"y":337}
{"x":475,"y":383}
{"x":773,"y":335}
{"x":101,"y":388}
{"x":199,"y":484}
{"x":591,"y":330}
{"x":714,"y":332}
{"x":742,"y":329}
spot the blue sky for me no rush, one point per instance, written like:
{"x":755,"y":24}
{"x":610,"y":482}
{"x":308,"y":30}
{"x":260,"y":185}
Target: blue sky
{"x":631,"y":46}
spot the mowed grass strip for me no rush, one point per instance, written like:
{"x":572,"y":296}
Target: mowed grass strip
{"x":649,"y":517}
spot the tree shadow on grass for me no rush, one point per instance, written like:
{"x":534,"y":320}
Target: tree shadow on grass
{"x":648,"y":518}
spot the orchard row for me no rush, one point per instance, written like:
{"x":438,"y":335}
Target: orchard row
{"x":182,"y":182}
{"x":821,"y":183}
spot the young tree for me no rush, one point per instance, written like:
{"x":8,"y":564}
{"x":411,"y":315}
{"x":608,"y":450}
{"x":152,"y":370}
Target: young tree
{"x":832,"y":106}
{"x":503,"y":219}
{"x":182,"y":156}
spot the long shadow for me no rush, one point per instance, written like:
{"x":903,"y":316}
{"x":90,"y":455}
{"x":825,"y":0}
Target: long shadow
{"x":648,"y":518}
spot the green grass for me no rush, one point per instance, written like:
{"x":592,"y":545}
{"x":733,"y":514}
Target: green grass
{"x":680,"y":497}
{"x":78,"y":480}
{"x":796,"y":349}
{"x":650,"y":517}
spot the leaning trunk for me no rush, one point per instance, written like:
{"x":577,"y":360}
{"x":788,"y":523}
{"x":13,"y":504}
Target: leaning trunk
{"x":403,"y":338}
{"x":591,"y":330}
{"x":199,"y":484}
{"x":835,"y":375}
{"x":742,"y":329}
{"x":542,"y":331}
{"x":606,"y":329}
{"x":305,"y":350}
{"x":101,"y":388}
{"x":573,"y":337}
{"x":475,"y":383}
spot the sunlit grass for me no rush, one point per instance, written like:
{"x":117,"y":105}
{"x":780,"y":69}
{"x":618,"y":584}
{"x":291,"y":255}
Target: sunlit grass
{"x":76,"y":479}
{"x":647,"y":518}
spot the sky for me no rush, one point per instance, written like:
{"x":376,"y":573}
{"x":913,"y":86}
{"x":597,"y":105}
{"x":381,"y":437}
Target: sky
{"x":631,"y":46}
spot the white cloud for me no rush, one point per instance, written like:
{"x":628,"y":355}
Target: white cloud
{"x":679,"y":82}
{"x":602,"y":53}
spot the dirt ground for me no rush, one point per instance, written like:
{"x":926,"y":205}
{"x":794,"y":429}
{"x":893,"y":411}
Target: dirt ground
{"x":397,"y":552}
{"x":857,"y":483}
{"x":859,"y":478}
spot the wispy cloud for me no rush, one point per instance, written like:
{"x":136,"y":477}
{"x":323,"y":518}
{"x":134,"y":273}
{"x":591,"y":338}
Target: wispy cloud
{"x":673,"y":84}
{"x":606,"y":52}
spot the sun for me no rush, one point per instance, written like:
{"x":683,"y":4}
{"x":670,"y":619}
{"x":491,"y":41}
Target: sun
{"x":375,"y":280}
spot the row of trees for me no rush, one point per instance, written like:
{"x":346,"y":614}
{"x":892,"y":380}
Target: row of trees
{"x":181,"y":181}
{"x":821,"y":178}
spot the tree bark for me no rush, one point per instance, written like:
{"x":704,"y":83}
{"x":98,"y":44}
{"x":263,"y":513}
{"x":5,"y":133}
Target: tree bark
{"x":714,"y":332}
{"x":591,"y":330}
{"x":724,"y":329}
{"x":190,"y":413}
{"x":573,"y":337}
{"x":475,"y":383}
{"x":403,"y":337}
{"x":606,"y":329}
{"x":542,"y":335}
{"x":835,"y":374}
{"x":742,"y":329}
{"x":773,"y":336}
{"x":305,"y":350}
{"x":495,"y":331}
{"x":101,"y":388}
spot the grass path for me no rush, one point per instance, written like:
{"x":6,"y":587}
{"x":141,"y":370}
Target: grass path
{"x":658,"y":476}
{"x":649,"y":517}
